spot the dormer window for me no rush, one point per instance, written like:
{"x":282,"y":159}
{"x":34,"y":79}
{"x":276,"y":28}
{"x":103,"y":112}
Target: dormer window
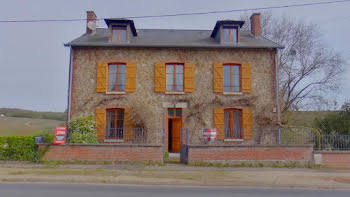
{"x":230,"y":34}
{"x":119,"y":34}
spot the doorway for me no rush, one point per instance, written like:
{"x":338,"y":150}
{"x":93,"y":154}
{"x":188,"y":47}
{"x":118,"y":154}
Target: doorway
{"x":174,"y":127}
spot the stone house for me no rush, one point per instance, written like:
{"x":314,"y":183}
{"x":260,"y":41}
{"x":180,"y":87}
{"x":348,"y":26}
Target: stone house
{"x":168,"y":79}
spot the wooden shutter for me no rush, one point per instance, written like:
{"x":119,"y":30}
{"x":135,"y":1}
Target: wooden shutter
{"x":247,"y":124}
{"x":159,"y":77}
{"x":100,"y":118}
{"x":246,"y":78}
{"x":219,"y":123}
{"x":189,"y":77}
{"x":130,"y":77}
{"x":128,"y":126}
{"x":101,"y":79}
{"x":218,"y":78}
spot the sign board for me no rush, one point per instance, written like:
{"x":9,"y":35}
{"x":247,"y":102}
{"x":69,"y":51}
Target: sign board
{"x":60,"y":135}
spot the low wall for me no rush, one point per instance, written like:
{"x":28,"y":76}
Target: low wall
{"x":337,"y":159}
{"x":103,"y":152}
{"x":250,"y":153}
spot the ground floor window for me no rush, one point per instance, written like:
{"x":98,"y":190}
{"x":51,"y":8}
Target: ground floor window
{"x":233,"y":123}
{"x":115,"y":124}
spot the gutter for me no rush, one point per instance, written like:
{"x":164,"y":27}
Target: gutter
{"x":70,"y":84}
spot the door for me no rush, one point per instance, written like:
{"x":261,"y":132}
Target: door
{"x":175,"y":135}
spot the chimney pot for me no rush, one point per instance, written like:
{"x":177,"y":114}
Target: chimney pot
{"x":90,"y":18}
{"x":255,"y":24}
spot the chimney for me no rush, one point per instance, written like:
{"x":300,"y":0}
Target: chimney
{"x":255,"y":24}
{"x":91,"y":22}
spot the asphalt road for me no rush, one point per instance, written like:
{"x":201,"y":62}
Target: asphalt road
{"x":91,"y":190}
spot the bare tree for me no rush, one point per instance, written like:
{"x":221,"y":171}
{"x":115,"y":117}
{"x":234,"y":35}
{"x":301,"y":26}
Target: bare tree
{"x":308,"y":68}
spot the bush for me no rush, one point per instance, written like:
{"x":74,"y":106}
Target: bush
{"x":20,"y":148}
{"x":83,"y":138}
{"x":82,"y":130}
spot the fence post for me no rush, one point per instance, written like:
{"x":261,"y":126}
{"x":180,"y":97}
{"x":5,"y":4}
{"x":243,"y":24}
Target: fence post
{"x":279,"y":135}
{"x":319,"y":141}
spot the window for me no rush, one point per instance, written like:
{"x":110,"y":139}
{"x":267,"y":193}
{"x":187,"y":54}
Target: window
{"x":232,"y":78}
{"x":174,"y":112}
{"x":175,"y":77}
{"x":119,"y":34}
{"x":230,"y":34}
{"x":115,"y":124}
{"x":232,"y":119}
{"x":116,"y":77}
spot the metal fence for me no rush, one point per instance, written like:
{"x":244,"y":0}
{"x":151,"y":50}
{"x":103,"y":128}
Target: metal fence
{"x":139,"y":135}
{"x":331,"y":142}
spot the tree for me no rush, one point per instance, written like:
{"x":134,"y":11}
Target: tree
{"x":308,"y":68}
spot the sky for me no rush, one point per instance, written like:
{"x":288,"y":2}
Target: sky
{"x":34,"y":63}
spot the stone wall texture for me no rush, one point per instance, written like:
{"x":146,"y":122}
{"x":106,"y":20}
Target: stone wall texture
{"x":336,"y":159}
{"x":104,"y":152}
{"x":200,"y":103}
{"x":237,"y":153}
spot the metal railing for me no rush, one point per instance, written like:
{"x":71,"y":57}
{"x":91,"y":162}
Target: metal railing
{"x":136,"y":135}
{"x":330,"y":142}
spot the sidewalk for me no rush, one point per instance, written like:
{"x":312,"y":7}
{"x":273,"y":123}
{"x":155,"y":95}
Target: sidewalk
{"x":175,"y":174}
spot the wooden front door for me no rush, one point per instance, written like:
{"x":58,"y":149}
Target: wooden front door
{"x":175,"y":135}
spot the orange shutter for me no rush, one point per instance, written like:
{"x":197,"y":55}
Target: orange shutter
{"x":246,"y":78}
{"x":101,"y":79}
{"x":100,"y":118}
{"x":159,"y":77}
{"x":219,"y":123}
{"x":189,"y":77}
{"x":218,"y":78}
{"x":130,"y":77}
{"x":247,"y":124}
{"x":128,"y":126}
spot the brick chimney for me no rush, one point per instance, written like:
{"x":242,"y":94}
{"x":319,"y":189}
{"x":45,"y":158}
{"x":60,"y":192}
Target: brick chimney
{"x":255,"y":24}
{"x":91,"y":26}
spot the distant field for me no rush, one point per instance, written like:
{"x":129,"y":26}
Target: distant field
{"x":25,"y":126}
{"x":305,"y":118}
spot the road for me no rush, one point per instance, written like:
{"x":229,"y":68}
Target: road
{"x":93,"y":190}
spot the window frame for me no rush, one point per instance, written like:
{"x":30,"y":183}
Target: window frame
{"x":231,"y":65}
{"x":174,"y":113}
{"x":115,"y":132}
{"x":174,"y":64}
{"x":232,"y":123}
{"x":119,"y":28}
{"x":117,"y":76}
{"x":230,"y":34}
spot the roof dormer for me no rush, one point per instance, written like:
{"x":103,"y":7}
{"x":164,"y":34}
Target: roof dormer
{"x":121,"y":30}
{"x":227,"y":31}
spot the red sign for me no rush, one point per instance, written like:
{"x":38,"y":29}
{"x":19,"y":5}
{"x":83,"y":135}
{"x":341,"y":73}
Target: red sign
{"x":60,"y":135}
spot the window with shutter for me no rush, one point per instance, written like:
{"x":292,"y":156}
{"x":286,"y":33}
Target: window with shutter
{"x":101,"y":78}
{"x":174,"y":77}
{"x":100,"y":118}
{"x":233,"y":123}
{"x":159,"y":77}
{"x":116,"y":77}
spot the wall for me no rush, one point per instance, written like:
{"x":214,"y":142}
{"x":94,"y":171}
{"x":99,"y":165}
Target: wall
{"x":258,"y":153}
{"x":198,"y":113}
{"x":337,"y":159}
{"x":104,"y":152}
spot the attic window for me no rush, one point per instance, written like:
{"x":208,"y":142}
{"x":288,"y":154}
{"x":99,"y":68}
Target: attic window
{"x":230,"y":34}
{"x":119,"y":34}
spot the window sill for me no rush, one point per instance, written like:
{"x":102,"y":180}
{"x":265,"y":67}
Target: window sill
{"x":233,"y":93}
{"x":233,"y":140}
{"x":120,"y":93}
{"x":174,"y":92}
{"x":112,"y":140}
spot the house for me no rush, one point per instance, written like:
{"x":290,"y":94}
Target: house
{"x":169,"y":79}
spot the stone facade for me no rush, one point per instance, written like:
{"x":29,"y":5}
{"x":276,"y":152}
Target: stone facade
{"x":197,"y":106}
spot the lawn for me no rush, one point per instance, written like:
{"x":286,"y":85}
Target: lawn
{"x":25,"y":126}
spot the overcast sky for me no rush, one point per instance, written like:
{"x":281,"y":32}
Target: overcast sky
{"x":34,"y":63}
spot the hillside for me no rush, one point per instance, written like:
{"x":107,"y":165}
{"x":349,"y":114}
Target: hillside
{"x":21,"y":113}
{"x":305,"y":118}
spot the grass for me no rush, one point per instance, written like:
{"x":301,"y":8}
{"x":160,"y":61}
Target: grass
{"x":25,"y":126}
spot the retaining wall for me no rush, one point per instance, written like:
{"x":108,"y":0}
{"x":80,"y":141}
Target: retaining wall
{"x":337,"y":159}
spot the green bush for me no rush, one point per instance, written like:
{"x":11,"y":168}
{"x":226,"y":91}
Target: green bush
{"x":83,"y":138}
{"x":20,"y":148}
{"x":82,"y":130}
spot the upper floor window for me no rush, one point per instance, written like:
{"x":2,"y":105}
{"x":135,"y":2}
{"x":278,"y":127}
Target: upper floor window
{"x":119,"y":34}
{"x":232,"y":121}
{"x":115,"y":124}
{"x":116,"y":77}
{"x":232,"y":78}
{"x":230,"y":34}
{"x":175,"y":77}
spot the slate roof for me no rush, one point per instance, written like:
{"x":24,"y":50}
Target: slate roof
{"x":172,"y":38}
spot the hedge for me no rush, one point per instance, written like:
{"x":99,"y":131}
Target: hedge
{"x":20,"y":148}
